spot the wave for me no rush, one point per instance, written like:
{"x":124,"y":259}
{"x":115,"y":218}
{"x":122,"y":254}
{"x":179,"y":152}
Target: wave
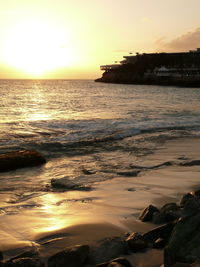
{"x":89,"y":142}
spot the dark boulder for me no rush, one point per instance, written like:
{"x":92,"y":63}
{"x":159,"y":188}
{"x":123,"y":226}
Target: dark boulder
{"x":169,"y":212}
{"x":31,"y":253}
{"x":196,"y":193}
{"x":158,"y":217}
{"x":184,"y":243}
{"x":163,"y":231}
{"x":169,"y":207}
{"x":1,"y":259}
{"x":24,"y":262}
{"x":160,"y":243}
{"x":115,"y":264}
{"x":70,"y":257}
{"x":190,"y":163}
{"x":107,"y":250}
{"x":20,"y":159}
{"x":118,"y":262}
{"x":136,"y":242}
{"x":147,"y":214}
{"x":185,"y":198}
{"x":129,"y":173}
{"x":87,"y":172}
{"x":1,"y":256}
{"x":191,"y":207}
{"x":180,"y":264}
{"x":190,"y":203}
{"x":65,"y":183}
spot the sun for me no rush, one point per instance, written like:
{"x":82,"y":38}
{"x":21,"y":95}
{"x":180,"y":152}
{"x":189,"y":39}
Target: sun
{"x":37,"y":47}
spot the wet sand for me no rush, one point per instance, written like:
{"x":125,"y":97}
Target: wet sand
{"x":111,"y":209}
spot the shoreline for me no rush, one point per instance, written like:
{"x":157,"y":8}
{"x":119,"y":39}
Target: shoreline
{"x":157,"y":82}
{"x":112,"y":208}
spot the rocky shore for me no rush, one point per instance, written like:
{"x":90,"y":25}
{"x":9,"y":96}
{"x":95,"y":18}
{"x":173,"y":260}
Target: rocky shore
{"x":178,"y":234}
{"x":169,"y":226}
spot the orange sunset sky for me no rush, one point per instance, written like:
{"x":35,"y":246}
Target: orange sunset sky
{"x":72,"y":38}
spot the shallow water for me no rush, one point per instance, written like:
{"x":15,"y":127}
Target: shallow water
{"x":90,"y":133}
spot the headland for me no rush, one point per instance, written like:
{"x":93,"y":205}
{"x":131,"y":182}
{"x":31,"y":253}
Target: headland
{"x":177,"y":69}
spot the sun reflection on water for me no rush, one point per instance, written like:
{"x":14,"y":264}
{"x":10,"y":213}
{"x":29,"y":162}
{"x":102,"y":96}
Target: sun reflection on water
{"x":37,"y":107}
{"x":55,"y":215}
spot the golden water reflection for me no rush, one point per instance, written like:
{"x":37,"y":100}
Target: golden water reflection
{"x":36,"y":108}
{"x":56,"y":216}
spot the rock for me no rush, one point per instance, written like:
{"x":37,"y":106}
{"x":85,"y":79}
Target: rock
{"x":32,"y":253}
{"x":63,"y":182}
{"x":24,"y":262}
{"x":70,"y":257}
{"x":179,"y":264}
{"x":185,"y":198}
{"x":107,"y":250}
{"x":160,"y":243}
{"x":1,"y":259}
{"x":20,"y":159}
{"x":66,"y":184}
{"x":87,"y":172}
{"x":169,"y":212}
{"x":169,"y":206}
{"x":183,"y":158}
{"x":164,"y":164}
{"x":196,"y":193}
{"x":163,"y":231}
{"x":190,"y":203}
{"x":129,"y":173}
{"x":147,"y":214}
{"x":184,"y":243}
{"x":136,"y":242}
{"x":191,"y":163}
{"x":158,"y":217}
{"x":113,"y":263}
{"x":191,"y":207}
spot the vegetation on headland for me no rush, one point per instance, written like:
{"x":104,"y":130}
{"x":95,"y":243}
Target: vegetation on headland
{"x":181,"y":69}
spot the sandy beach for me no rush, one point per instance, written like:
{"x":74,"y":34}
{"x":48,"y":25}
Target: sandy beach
{"x":110,"y":210}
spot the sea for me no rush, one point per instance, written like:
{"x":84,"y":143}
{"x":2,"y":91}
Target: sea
{"x":89,"y":133}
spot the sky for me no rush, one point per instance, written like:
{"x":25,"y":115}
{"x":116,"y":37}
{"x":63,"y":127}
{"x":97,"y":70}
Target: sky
{"x":66,"y":39}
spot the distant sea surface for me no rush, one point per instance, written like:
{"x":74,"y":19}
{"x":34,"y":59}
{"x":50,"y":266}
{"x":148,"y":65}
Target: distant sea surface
{"x":62,"y":116}
{"x":88,"y":131}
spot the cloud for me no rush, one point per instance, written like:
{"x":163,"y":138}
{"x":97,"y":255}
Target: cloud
{"x":185,"y":42}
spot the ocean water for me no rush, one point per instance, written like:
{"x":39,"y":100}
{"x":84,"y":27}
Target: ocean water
{"x":55,"y":116}
{"x":89,"y":132}
{"x":92,"y":125}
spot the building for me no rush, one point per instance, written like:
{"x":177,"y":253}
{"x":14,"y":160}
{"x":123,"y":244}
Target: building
{"x":188,"y":62}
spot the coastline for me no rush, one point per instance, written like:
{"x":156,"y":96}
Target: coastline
{"x":126,"y":78}
{"x":168,"y":69}
{"x":111,"y":209}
